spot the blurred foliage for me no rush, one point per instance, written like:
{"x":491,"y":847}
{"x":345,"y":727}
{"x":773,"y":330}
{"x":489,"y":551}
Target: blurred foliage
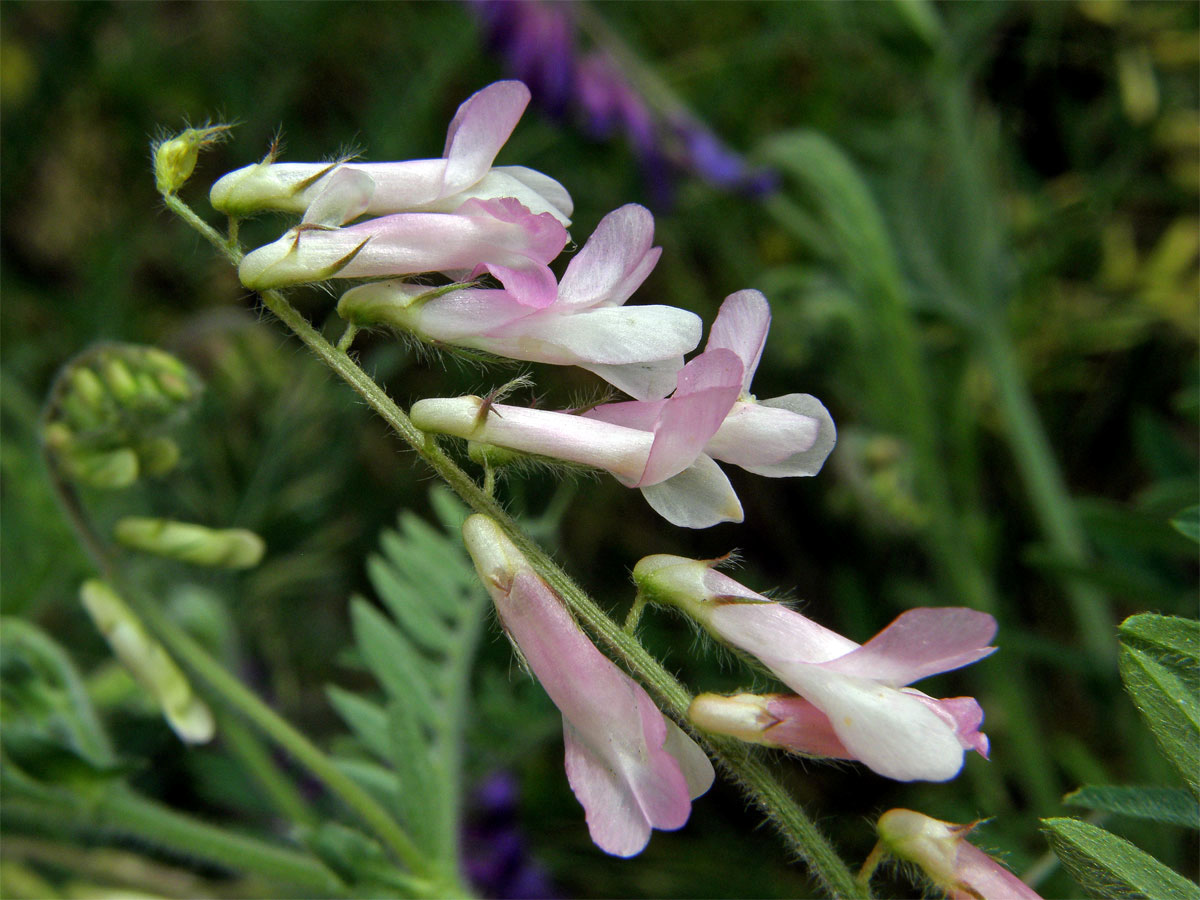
{"x":1035,"y":163}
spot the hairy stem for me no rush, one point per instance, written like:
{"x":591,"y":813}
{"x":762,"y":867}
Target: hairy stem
{"x":798,"y":829}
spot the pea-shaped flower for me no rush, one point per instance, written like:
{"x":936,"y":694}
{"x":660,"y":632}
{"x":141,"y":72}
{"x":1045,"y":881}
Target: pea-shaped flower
{"x":631,"y":768}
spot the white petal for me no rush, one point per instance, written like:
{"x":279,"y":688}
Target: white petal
{"x":698,"y":497}
{"x":890,"y":731}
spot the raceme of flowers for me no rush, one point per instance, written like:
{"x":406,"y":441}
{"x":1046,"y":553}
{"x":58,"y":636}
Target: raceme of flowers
{"x":461,"y":218}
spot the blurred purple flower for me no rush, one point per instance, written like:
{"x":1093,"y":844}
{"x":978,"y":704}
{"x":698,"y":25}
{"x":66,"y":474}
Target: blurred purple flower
{"x":536,"y":40}
{"x":495,"y":854}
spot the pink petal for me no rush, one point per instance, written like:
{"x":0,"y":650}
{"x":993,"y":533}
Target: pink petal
{"x":741,"y":326}
{"x":770,"y":631}
{"x":919,"y":643}
{"x":706,"y":390}
{"x":479,"y":129}
{"x":451,"y":318}
{"x":803,"y":728}
{"x":964,"y":715}
{"x":639,"y":414}
{"x":615,"y":736}
{"x":987,"y":878}
{"x":615,"y":821}
{"x":615,"y":260}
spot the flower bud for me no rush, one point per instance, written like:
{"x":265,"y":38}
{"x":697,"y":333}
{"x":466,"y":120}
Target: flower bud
{"x":231,"y":548}
{"x":148,"y":662}
{"x":158,"y":456}
{"x":175,"y":158}
{"x":108,"y":410}
{"x":105,"y":469}
{"x":941,"y":849}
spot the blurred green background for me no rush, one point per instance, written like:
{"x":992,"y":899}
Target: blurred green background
{"x":1036,"y":170}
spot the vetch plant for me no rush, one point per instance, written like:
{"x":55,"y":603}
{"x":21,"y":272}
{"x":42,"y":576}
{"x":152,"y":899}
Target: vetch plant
{"x":459,"y":253}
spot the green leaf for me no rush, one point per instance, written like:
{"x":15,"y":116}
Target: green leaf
{"x":842,"y":200}
{"x":421,"y":657}
{"x":1110,"y":868}
{"x":422,"y":786}
{"x":1170,"y":805}
{"x":367,"y":720}
{"x":415,"y":616}
{"x":394,"y":660}
{"x":1187,"y":523}
{"x":1160,"y":665}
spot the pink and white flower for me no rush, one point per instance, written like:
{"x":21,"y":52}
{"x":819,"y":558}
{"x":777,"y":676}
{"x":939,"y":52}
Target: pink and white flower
{"x":666,"y":461}
{"x":498,"y":236}
{"x":480,"y":128}
{"x":639,"y":349}
{"x":853,"y":701}
{"x":631,"y":768}
{"x":782,"y":437}
{"x":959,"y":868}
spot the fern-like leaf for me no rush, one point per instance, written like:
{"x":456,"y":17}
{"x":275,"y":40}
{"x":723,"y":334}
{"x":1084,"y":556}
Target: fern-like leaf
{"x":421,"y":656}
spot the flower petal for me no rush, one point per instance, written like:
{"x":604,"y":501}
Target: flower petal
{"x":698,"y":497}
{"x":919,"y":643}
{"x":891,"y":731}
{"x":615,"y":260}
{"x":613,"y":336}
{"x":707,"y":388}
{"x":615,"y":821}
{"x":643,"y":380}
{"x":741,"y":326}
{"x":479,"y":129}
{"x":344,"y":197}
{"x":453,"y":317}
{"x":763,"y":439}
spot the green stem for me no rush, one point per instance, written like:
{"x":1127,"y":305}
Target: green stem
{"x":238,"y":697}
{"x":123,"y":811}
{"x":799,"y":831}
{"x":279,"y":789}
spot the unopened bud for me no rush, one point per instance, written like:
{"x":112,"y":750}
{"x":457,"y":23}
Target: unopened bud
{"x":175,"y":159}
{"x":121,"y":382}
{"x":958,"y":868}
{"x":158,"y":456}
{"x":106,"y":469}
{"x":148,"y":662}
{"x":231,"y":548}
